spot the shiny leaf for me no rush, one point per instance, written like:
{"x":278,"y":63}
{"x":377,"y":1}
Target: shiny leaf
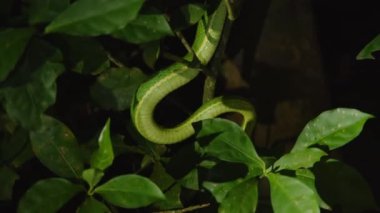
{"x":12,"y":46}
{"x":289,"y":194}
{"x":130,"y":191}
{"x":47,"y":195}
{"x":228,"y":142}
{"x":242,"y":198}
{"x":103,"y":157}
{"x":95,"y":17}
{"x":333,"y":128}
{"x":307,"y":177}
{"x":299,"y":159}
{"x":56,"y":147}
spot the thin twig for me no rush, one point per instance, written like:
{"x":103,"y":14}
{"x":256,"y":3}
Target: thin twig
{"x":188,"y":209}
{"x":115,"y":61}
{"x":174,"y":58}
{"x":230,"y":10}
{"x":185,"y":43}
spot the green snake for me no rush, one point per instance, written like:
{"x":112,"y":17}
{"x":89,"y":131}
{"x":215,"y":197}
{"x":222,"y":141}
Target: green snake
{"x":150,"y":93}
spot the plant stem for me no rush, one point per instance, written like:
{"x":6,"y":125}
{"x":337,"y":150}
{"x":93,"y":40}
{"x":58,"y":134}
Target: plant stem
{"x":184,"y":42}
{"x":230,"y":10}
{"x":188,"y":209}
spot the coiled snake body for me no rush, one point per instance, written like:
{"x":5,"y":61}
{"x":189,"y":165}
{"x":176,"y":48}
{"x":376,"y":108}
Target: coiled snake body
{"x":150,"y":93}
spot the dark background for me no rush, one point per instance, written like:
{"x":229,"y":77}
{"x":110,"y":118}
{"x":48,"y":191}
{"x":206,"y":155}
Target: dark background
{"x":341,"y":29}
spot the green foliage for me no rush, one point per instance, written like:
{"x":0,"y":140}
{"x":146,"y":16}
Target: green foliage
{"x":95,"y":17}
{"x":32,"y":87}
{"x":369,"y":49}
{"x":43,"y":11}
{"x":91,"y":205}
{"x":103,"y":157}
{"x":145,"y":28}
{"x":243,"y":197}
{"x":49,"y":195}
{"x":83,"y":55}
{"x":114,"y":88}
{"x":333,"y":128}
{"x":12,"y":45}
{"x":291,"y":195}
{"x":8,"y":178}
{"x":73,"y":64}
{"x":288,"y":194}
{"x":299,"y":159}
{"x":238,"y":150}
{"x":130,"y":191}
{"x":56,"y":147}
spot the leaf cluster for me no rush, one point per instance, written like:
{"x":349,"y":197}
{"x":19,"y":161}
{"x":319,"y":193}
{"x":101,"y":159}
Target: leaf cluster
{"x":69,"y":68}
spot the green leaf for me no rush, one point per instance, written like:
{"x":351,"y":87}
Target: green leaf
{"x":8,"y":178}
{"x":193,"y":13}
{"x":371,"y":47}
{"x":130,"y":191}
{"x":291,"y":195}
{"x":91,"y":205}
{"x":160,"y":177}
{"x":95,"y":17}
{"x":191,"y":180}
{"x":47,"y":195}
{"x":228,"y":142}
{"x":84,"y":55}
{"x":92,"y":177}
{"x":333,"y":128}
{"x":12,"y":46}
{"x":342,"y":186}
{"x":56,"y":147}
{"x":241,"y":198}
{"x":145,"y":28}
{"x":172,"y":199}
{"x":187,"y":15}
{"x":115,"y":88}
{"x":42,"y":11}
{"x":32,"y":89}
{"x":299,"y":159}
{"x":103,"y":157}
{"x":220,"y":190}
{"x":151,"y":52}
{"x":308,"y":178}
